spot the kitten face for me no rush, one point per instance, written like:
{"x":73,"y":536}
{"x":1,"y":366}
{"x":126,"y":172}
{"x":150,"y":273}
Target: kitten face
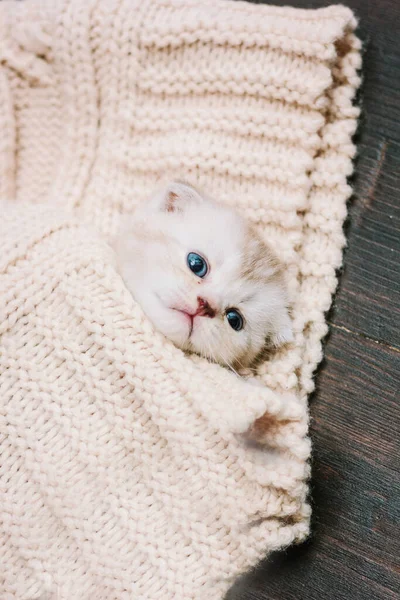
{"x":203,"y":276}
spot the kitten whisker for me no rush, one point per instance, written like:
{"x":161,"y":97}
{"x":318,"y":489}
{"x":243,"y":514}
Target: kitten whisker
{"x":205,"y":341}
{"x":241,"y":271}
{"x":227,"y":363}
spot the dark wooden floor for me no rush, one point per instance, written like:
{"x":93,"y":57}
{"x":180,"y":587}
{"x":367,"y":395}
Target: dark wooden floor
{"x":354,"y":552}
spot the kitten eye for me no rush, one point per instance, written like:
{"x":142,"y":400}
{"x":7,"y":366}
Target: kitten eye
{"x":235,"y":319}
{"x":197,"y":264}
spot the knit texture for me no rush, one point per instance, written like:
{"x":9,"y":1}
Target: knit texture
{"x":124,"y":472}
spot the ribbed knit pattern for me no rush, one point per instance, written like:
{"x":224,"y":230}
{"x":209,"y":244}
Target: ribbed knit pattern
{"x":124,"y":473}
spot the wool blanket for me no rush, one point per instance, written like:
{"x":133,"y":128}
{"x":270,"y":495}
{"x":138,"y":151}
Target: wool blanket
{"x":126,"y":468}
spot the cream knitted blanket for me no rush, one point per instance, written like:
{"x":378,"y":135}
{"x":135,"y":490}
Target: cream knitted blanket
{"x":123,"y":472}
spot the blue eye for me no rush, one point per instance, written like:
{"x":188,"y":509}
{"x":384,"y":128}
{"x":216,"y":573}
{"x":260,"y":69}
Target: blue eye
{"x":235,"y":319}
{"x":197,"y":264}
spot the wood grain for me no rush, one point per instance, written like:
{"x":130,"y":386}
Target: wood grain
{"x":354,"y":551}
{"x":355,"y":547}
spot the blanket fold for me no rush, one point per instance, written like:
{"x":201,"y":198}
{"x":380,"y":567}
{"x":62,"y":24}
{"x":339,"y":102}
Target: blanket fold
{"x":128,"y":469}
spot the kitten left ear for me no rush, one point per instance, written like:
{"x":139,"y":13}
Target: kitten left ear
{"x":283,"y":333}
{"x":177,"y":196}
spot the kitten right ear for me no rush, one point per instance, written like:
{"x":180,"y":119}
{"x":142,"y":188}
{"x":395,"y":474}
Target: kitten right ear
{"x":176,"y":196}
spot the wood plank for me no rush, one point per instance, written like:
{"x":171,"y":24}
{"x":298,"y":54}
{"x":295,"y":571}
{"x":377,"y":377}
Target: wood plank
{"x":355,"y":548}
{"x":368,"y":297}
{"x":368,"y":300}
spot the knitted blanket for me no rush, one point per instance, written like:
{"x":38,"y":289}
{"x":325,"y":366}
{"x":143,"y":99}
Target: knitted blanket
{"x":125,"y":472}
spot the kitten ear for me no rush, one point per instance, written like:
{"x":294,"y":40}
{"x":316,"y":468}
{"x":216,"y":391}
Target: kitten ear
{"x":283,"y":333}
{"x":176,"y":196}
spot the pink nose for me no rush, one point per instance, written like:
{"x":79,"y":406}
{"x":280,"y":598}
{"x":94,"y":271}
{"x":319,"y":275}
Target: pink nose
{"x":204,"y":309}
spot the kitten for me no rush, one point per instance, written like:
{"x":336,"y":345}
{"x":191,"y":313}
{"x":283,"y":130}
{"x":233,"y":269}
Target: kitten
{"x":204,"y":277}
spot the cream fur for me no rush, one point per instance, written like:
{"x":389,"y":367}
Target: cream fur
{"x":152,"y":249}
{"x":124,"y":475}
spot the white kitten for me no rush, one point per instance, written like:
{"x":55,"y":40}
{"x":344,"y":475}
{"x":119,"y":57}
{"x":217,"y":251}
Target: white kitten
{"x":203,"y":276}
